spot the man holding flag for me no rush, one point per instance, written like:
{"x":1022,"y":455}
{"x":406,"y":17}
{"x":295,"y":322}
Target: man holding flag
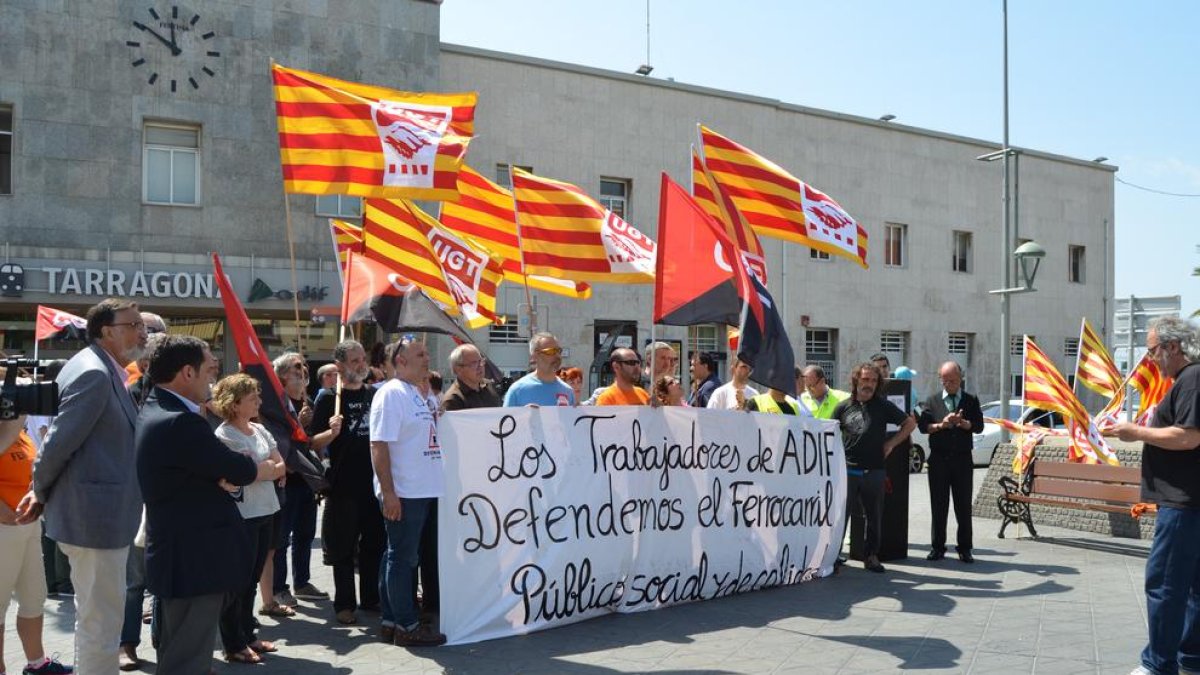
{"x":1171,"y":479}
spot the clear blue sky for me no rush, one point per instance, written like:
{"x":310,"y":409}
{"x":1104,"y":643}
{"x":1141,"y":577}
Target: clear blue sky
{"x":1087,"y":78}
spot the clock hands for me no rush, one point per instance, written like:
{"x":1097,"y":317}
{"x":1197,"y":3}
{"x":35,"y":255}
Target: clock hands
{"x":175,"y":50}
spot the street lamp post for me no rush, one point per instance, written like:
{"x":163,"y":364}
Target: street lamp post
{"x":1029,"y":257}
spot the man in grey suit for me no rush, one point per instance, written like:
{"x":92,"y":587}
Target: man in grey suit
{"x":86,"y":481}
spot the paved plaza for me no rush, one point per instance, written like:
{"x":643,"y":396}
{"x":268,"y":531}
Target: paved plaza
{"x":1066,"y":603}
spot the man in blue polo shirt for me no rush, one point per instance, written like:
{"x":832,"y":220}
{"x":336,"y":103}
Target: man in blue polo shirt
{"x":542,"y":386}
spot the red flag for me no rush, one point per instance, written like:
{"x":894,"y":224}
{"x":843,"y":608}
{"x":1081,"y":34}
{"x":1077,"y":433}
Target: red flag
{"x":57,"y":323}
{"x":255,"y":361}
{"x":695,"y":281}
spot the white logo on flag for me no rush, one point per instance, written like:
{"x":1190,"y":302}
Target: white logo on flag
{"x":409,"y":134}
{"x":827,"y":221}
{"x":462,"y":267}
{"x":628,"y":250}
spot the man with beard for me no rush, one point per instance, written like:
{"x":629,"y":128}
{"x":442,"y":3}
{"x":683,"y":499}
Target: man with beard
{"x":85,"y":478}
{"x":352,"y":520}
{"x":864,"y":418}
{"x":542,"y":386}
{"x":626,"y":367}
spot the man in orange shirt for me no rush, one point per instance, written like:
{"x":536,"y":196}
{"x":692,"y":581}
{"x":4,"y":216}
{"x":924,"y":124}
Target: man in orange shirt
{"x":627,"y":368}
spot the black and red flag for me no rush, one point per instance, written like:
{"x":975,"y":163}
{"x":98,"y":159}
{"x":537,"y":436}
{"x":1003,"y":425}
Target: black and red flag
{"x":55,"y":323}
{"x":376,"y":292}
{"x":276,"y":409}
{"x":697,"y":282}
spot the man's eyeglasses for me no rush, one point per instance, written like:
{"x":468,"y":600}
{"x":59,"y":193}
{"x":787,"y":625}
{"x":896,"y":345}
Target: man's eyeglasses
{"x":628,"y":362}
{"x":1152,"y":350}
{"x":471,"y":364}
{"x":550,"y":351}
{"x":136,"y":325}
{"x":154,"y":330}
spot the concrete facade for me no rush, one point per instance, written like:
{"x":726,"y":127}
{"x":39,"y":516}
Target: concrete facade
{"x":580,"y":124}
{"x":80,"y":108}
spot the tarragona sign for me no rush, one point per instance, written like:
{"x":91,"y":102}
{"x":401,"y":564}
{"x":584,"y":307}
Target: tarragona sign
{"x":151,"y":284}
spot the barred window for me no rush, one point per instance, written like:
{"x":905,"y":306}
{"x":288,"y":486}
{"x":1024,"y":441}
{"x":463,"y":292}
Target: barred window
{"x":894,"y":343}
{"x":1071,"y":347}
{"x":506,"y":333}
{"x":705,"y":338}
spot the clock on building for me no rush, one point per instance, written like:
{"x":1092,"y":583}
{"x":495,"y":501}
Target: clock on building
{"x":173,"y":49}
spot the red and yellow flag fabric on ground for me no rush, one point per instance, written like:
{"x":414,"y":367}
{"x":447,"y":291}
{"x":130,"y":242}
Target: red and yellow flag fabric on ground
{"x":568,"y":235}
{"x":338,"y":137}
{"x":485,"y":213}
{"x":716,"y":203}
{"x":777,"y":204}
{"x":1094,"y":368}
{"x":457,"y":274}
{"x":1045,"y":389}
{"x":346,"y":237}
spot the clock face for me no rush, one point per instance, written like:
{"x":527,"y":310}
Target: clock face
{"x":173,"y":49}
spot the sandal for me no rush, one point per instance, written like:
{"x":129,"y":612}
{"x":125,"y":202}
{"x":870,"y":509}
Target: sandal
{"x":263,"y":647}
{"x":246,"y":656}
{"x":276,"y":610}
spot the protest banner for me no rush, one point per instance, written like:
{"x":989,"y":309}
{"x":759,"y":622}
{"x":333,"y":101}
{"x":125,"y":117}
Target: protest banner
{"x":557,"y":515}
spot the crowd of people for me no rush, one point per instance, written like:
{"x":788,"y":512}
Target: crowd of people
{"x":157,"y":477}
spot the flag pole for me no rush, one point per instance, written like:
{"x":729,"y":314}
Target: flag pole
{"x":342,"y":318}
{"x":1078,"y":352}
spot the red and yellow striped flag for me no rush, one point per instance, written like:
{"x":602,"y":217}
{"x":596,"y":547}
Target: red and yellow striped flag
{"x":1094,"y":368}
{"x":346,"y":237}
{"x":485,"y":213}
{"x":717,"y":204}
{"x":1152,"y":385}
{"x":1045,"y":389}
{"x":568,"y":235}
{"x":777,"y":204}
{"x":455,"y":273}
{"x":338,"y":137}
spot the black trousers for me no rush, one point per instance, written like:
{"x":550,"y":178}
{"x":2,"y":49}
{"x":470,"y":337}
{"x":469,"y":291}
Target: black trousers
{"x":188,"y":628}
{"x":237,"y":612}
{"x":353,"y":524}
{"x":950,"y":476}
{"x":864,"y":494}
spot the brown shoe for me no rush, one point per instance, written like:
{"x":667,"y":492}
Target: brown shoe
{"x":346,"y":617}
{"x":421,"y":636}
{"x":127,"y":658}
{"x":387,"y":634}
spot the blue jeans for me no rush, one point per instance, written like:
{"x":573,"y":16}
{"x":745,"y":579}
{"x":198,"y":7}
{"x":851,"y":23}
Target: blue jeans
{"x":1172,"y":588}
{"x":299,"y":515}
{"x":135,"y":596}
{"x":397,"y":571}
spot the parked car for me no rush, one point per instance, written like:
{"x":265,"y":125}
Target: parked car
{"x":986,"y":442}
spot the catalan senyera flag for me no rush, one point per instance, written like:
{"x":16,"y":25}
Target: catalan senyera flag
{"x":457,"y":274}
{"x":716,"y":203}
{"x":1094,"y":367}
{"x":1046,"y":389}
{"x":777,"y":204}
{"x":1152,"y":385}
{"x":338,"y":137}
{"x":346,"y":237}
{"x":568,"y":235}
{"x":485,"y":213}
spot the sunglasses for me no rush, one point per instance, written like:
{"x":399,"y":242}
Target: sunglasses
{"x":629,"y":362}
{"x":550,"y":351}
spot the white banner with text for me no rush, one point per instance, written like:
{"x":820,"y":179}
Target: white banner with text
{"x":556,"y":515}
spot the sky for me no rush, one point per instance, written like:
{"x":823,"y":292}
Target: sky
{"x":1087,"y":78}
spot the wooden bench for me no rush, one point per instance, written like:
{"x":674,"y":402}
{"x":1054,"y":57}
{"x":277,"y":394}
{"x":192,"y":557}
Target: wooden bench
{"x":1112,"y":489}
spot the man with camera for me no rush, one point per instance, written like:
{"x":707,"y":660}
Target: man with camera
{"x":84,"y":478}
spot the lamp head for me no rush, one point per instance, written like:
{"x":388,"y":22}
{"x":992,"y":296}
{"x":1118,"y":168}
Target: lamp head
{"x":1029,"y":255}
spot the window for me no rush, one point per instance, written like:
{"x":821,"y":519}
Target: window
{"x":894,"y":244}
{"x":1076,"y":271}
{"x":962,"y":252}
{"x":504,"y":178}
{"x":614,"y":196}
{"x":1071,"y":347}
{"x":171,"y":164}
{"x":958,"y":345}
{"x":6,"y":149}
{"x":706,"y":338}
{"x":1016,"y":387}
{"x":817,"y":255}
{"x":507,"y":332}
{"x":339,"y":206}
{"x":894,"y":343}
{"x":820,"y":349}
{"x":1016,"y":345}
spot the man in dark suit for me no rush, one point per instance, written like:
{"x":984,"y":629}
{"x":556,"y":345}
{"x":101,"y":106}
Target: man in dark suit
{"x":84,"y":478}
{"x":196,"y":545}
{"x":950,"y":417}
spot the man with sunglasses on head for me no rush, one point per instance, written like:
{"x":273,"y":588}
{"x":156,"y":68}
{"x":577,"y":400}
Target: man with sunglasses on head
{"x":1171,"y":479}
{"x":542,"y":386}
{"x":627,"y":369}
{"x":86,"y":481}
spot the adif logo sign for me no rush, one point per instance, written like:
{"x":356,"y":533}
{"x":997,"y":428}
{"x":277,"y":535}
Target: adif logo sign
{"x":409,"y":134}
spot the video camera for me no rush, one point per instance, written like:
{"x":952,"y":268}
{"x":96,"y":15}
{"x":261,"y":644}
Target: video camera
{"x":34,"y":398}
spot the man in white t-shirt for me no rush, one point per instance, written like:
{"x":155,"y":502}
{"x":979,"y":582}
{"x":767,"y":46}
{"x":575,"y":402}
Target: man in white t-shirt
{"x":407,"y":462}
{"x":733,"y":394}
